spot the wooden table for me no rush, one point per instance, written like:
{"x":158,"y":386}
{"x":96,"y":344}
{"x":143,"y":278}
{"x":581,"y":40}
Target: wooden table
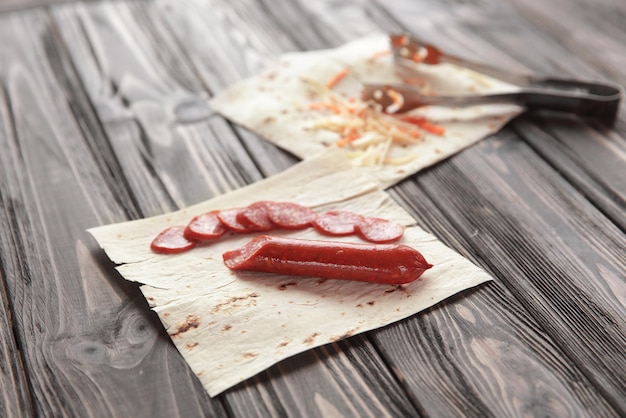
{"x":541,"y":206}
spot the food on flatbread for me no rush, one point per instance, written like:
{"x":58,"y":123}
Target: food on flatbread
{"x":257,"y":318}
{"x":309,"y":103}
{"x":264,"y":216}
{"x":230,"y":219}
{"x":172,"y":241}
{"x":335,"y":79}
{"x":289,"y":215}
{"x":379,"y":230}
{"x":365,"y":129}
{"x":256,"y":217}
{"x":337,"y":222}
{"x":204,"y":227}
{"x":374,"y":263}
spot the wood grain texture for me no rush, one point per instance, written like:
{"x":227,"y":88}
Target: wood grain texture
{"x":207,"y":149}
{"x":84,"y":337}
{"x":103,"y":118}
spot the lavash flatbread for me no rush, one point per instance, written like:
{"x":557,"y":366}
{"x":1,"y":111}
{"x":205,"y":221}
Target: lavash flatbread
{"x":276,"y":103}
{"x":230,"y":326}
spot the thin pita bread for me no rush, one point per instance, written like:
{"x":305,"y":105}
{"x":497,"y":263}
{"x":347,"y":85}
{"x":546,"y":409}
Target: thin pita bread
{"x":277,"y":104}
{"x":230,"y":326}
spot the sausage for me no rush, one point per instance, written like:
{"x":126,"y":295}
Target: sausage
{"x":255,"y":217}
{"x":205,"y":227}
{"x":171,"y":241}
{"x":229,"y":218}
{"x":289,"y":215}
{"x":379,"y":230}
{"x":376,"y":263}
{"x":337,"y":222}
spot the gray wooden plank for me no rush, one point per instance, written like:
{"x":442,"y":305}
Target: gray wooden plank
{"x":135,"y":89}
{"x":147,"y":36}
{"x":572,"y":279}
{"x":89,"y":344}
{"x":533,"y":37}
{"x":541,"y":362}
{"x":15,"y":395}
{"x":487,"y":328}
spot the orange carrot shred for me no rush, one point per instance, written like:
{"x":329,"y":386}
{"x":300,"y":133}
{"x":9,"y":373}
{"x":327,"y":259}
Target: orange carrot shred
{"x":423,"y":124}
{"x":337,"y":78}
{"x":325,"y":106}
{"x":381,"y":54}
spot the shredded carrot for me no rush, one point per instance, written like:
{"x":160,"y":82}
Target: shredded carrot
{"x":423,"y":124}
{"x":337,"y":78}
{"x":381,"y":54}
{"x":325,"y":106}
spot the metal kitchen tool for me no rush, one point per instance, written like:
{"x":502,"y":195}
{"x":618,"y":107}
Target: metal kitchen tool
{"x":598,"y":100}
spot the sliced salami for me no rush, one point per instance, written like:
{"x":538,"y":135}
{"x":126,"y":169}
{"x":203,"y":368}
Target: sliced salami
{"x":337,"y":222}
{"x":289,"y":215}
{"x":379,"y":230}
{"x":255,"y":217}
{"x":171,"y":241}
{"x":229,"y":218}
{"x":205,"y":227}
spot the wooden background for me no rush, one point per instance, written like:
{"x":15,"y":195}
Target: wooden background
{"x":88,"y":136}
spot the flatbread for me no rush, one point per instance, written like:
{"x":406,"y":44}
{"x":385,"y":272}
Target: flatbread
{"x":276,"y":104}
{"x":230,"y":326}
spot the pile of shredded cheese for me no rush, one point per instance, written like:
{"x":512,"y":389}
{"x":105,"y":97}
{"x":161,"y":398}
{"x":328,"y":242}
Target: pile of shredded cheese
{"x":363,"y":128}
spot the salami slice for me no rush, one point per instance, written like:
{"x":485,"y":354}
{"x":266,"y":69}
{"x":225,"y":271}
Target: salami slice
{"x":337,"y":222}
{"x":229,"y":218}
{"x":205,"y":227}
{"x":171,"y":241}
{"x":289,"y":215}
{"x":379,"y":230}
{"x":255,"y":217}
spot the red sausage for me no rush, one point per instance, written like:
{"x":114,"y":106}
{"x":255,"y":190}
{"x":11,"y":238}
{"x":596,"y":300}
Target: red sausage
{"x":172,"y":241}
{"x":229,"y":218}
{"x":289,"y":215}
{"x":255,"y":217}
{"x":205,"y":227}
{"x":337,"y":222}
{"x":377,"y":263}
{"x":379,"y":230}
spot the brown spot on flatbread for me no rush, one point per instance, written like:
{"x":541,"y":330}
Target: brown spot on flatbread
{"x":396,"y":288}
{"x":371,"y":302}
{"x":166,"y":315}
{"x":189,"y":346}
{"x":360,"y":305}
{"x":284,"y":286}
{"x":250,"y":354}
{"x":349,"y":333}
{"x":269,"y":119}
{"x":226,"y":327}
{"x":309,"y":340}
{"x":192,"y":321}
{"x":236,"y":302}
{"x":283,"y":344}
